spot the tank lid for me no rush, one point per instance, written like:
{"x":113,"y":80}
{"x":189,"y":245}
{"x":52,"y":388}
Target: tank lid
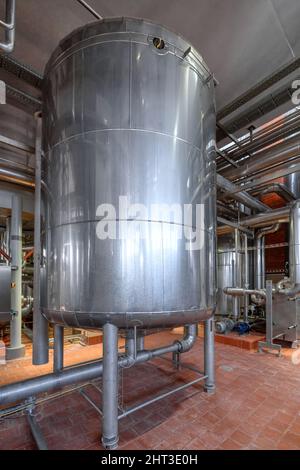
{"x":119,"y":25}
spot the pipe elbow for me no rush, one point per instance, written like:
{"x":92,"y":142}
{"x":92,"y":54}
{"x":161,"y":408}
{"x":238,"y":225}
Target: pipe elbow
{"x":188,"y":340}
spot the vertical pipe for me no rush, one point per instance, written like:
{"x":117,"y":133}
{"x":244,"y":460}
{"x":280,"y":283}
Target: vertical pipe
{"x":129,"y":344}
{"x":110,"y":436}
{"x":7,"y":235}
{"x":269,"y":312}
{"x":140,"y":343}
{"x":246,"y":300}
{"x":40,"y":350}
{"x":209,"y":356}
{"x":58,"y":357}
{"x":235,"y":300}
{"x":16,"y":348}
{"x":260,"y":263}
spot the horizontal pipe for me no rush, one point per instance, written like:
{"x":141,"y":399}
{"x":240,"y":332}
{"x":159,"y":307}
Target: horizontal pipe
{"x":267,"y":137}
{"x":242,"y":196}
{"x":16,"y":177}
{"x":19,"y":391}
{"x":16,"y":144}
{"x":281,"y":190}
{"x":240,"y":292}
{"x":281,"y":214}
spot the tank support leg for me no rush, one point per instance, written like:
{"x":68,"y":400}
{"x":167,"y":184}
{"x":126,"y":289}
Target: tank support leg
{"x":110,"y":436}
{"x":58,"y":355}
{"x":209,"y":356}
{"x":176,"y":359}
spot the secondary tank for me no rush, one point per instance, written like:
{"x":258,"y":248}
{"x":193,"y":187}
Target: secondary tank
{"x":227,"y":263}
{"x":128,"y":111}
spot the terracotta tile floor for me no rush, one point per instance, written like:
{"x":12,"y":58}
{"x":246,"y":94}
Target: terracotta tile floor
{"x":256,"y":404}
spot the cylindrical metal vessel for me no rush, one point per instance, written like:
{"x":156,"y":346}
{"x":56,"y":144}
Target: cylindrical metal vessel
{"x":294,"y":242}
{"x":227,"y":263}
{"x":128,"y":111}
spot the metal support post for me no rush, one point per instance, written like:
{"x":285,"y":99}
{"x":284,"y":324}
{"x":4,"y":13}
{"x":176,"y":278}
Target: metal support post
{"x":209,"y":356}
{"x":110,"y":435}
{"x":40,"y":346}
{"x":268,"y":344}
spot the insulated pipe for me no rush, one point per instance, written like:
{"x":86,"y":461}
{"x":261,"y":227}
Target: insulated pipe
{"x":19,"y":391}
{"x":16,"y":348}
{"x":40,"y":346}
{"x":110,"y":387}
{"x":9,"y":26}
{"x":242,"y":196}
{"x":58,"y":356}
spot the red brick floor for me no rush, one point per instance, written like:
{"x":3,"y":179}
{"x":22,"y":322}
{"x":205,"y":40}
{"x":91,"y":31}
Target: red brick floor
{"x":256,"y":404}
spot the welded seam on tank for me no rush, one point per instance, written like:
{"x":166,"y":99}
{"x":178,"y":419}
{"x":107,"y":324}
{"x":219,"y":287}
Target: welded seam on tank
{"x":91,"y":221}
{"x":74,"y":136}
{"x":104,"y":35}
{"x":198,"y":61}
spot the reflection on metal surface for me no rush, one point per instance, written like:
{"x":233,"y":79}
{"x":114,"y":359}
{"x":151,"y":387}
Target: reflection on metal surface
{"x":125,"y":118}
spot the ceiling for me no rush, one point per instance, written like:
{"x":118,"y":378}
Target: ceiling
{"x":242,"y":41}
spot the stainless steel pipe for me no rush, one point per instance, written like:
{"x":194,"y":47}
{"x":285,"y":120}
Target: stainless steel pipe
{"x":242,"y":196}
{"x":40,"y":346}
{"x":16,"y":177}
{"x":19,"y":391}
{"x":110,"y":387}
{"x":209,"y":356}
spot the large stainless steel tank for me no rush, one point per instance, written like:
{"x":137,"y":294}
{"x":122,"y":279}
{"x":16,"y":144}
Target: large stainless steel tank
{"x":128,"y":110}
